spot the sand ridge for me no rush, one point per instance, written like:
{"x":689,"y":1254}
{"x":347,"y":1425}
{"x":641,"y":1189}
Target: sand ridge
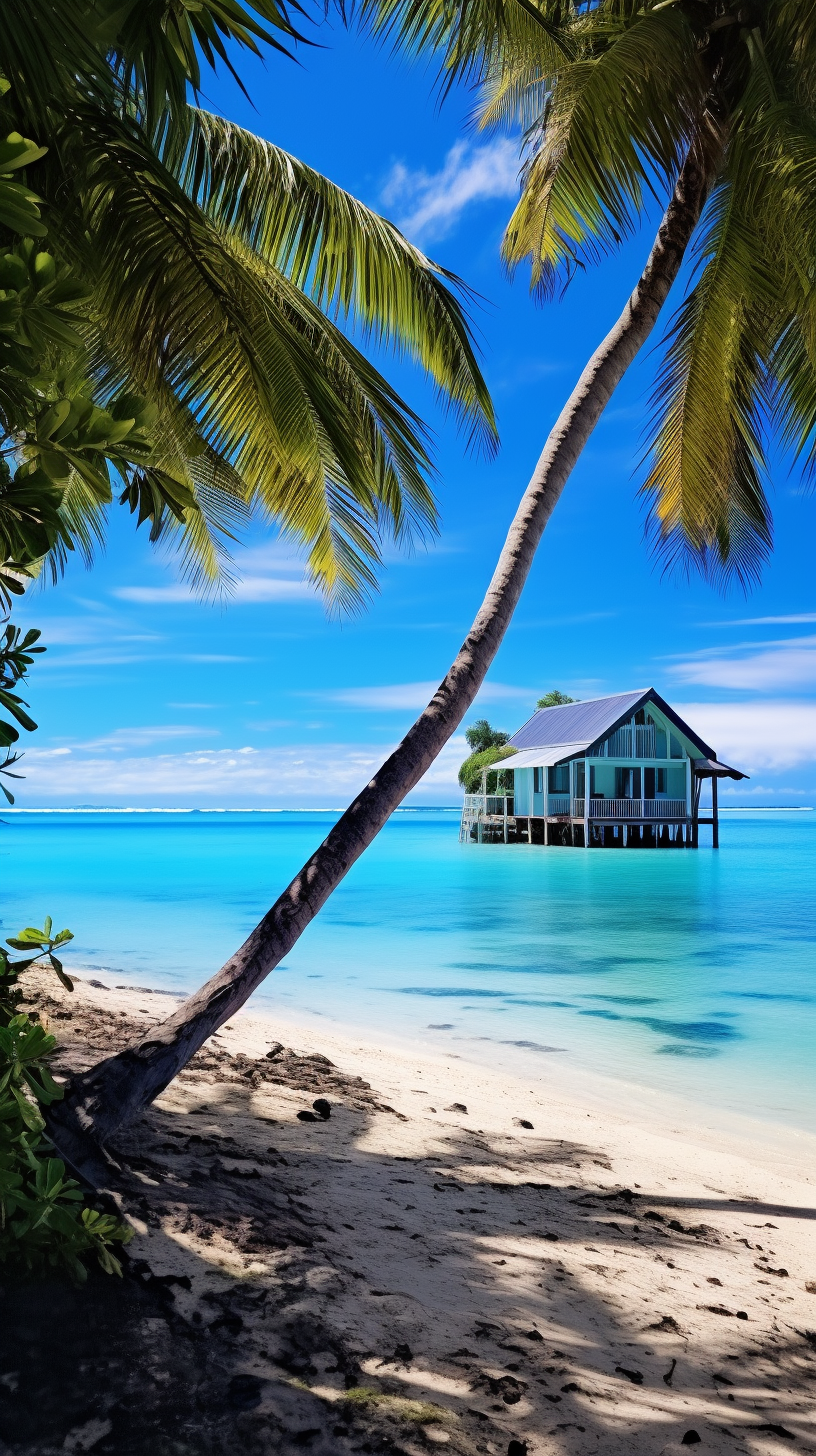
{"x":424,"y":1270}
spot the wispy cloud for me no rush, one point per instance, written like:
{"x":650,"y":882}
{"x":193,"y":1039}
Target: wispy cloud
{"x":428,"y":205}
{"x":417,"y":695}
{"x":791,"y":621}
{"x":757,"y":667}
{"x":771,"y":735}
{"x":144,"y":737}
{"x":247,"y":589}
{"x":268,"y":572}
{"x":329,"y":775}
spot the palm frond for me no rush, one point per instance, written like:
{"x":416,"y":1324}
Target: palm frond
{"x":351,"y":261}
{"x":277,"y":391}
{"x":157,"y":47}
{"x":788,"y":164}
{"x":519,"y":71}
{"x":85,"y":520}
{"x":465,"y":35}
{"x":706,"y":479}
{"x":51,"y":52}
{"x":616,"y":124}
{"x":201,"y":543}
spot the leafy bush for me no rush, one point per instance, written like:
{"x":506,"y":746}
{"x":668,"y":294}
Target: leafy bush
{"x":554,"y":699}
{"x":44,"y":1223}
{"x":480,"y":736}
{"x":470,"y":774}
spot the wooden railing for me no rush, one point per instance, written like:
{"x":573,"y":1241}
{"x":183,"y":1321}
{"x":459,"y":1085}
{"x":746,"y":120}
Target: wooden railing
{"x":633,"y":809}
{"x":558,"y":803}
{"x":478,"y":807}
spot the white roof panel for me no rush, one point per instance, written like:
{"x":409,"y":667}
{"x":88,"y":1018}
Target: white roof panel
{"x":542,"y":757}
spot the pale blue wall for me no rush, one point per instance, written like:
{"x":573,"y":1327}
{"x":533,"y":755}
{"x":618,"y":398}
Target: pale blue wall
{"x":523,"y":779}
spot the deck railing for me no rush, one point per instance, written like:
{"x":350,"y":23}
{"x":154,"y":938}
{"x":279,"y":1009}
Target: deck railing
{"x":632,"y":809}
{"x":558,"y":804}
{"x":478,"y":807}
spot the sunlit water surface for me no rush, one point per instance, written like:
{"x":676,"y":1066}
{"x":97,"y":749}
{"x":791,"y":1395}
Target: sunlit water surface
{"x":693,"y":972}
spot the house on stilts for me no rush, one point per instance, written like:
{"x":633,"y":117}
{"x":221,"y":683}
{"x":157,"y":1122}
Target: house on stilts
{"x":613,"y":772}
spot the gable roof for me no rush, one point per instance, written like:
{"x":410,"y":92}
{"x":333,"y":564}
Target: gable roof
{"x":577,"y":726}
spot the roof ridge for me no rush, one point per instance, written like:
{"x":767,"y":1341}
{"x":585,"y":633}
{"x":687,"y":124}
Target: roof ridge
{"x":604,"y":698}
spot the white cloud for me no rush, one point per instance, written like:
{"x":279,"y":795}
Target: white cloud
{"x":766,"y":621}
{"x":268,"y":572}
{"x":246,"y":589}
{"x":429,"y":204}
{"x":271,"y":589}
{"x":757,"y":667}
{"x":328,"y":775}
{"x":416,"y":695}
{"x":757,"y":737}
{"x":122,"y":738}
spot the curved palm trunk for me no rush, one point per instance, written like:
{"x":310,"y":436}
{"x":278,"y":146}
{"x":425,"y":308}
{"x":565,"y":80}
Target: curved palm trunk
{"x":115,"y":1090}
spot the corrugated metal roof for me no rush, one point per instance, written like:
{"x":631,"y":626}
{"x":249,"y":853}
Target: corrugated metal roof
{"x":542,"y":757}
{"x":710,"y":768}
{"x":579,"y":723}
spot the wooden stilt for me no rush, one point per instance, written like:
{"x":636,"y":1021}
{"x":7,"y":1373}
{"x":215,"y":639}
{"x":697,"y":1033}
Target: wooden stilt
{"x":715,"y":819}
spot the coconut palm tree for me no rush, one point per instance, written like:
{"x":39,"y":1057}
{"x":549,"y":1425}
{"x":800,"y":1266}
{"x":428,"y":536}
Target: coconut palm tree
{"x":219,"y":271}
{"x":710,"y":105}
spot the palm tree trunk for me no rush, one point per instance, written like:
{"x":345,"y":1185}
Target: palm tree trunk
{"x":115,"y":1090}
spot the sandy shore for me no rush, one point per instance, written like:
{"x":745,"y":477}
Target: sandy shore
{"x":461,"y":1256}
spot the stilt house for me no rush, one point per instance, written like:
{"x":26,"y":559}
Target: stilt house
{"x":614,"y":772}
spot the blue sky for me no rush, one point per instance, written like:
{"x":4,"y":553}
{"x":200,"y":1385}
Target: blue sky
{"x":149,"y":697}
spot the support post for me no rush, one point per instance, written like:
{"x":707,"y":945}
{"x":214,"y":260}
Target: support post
{"x":715,"y":820}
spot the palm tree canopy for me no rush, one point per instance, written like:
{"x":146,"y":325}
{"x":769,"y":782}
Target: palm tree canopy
{"x":610,"y":95}
{"x":220,"y":271}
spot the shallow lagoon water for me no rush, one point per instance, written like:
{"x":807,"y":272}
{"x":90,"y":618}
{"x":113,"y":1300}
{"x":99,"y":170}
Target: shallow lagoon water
{"x":690,"y":972}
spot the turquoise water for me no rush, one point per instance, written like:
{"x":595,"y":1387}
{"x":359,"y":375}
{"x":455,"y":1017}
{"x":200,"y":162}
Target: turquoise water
{"x":693,"y":972}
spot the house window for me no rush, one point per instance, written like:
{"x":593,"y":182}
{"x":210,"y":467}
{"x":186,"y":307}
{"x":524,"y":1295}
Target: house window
{"x":627,"y":783}
{"x":558,"y":779}
{"x":654,"y":782}
{"x":538,"y":780}
{"x":676,"y":747}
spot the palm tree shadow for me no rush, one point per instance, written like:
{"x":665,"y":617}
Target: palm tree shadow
{"x":361,"y":1284}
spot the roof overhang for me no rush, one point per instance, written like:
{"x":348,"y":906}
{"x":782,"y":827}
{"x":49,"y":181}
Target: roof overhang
{"x":709,"y":768}
{"x":541,"y":757}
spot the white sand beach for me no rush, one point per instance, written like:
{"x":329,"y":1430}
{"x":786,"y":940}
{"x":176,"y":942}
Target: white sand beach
{"x":462,"y":1256}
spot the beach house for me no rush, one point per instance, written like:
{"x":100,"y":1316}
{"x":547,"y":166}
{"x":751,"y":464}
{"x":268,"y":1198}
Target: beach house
{"x":613,"y":772}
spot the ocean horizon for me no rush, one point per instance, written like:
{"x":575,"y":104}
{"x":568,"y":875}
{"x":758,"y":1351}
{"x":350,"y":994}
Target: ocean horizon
{"x":691,"y":972}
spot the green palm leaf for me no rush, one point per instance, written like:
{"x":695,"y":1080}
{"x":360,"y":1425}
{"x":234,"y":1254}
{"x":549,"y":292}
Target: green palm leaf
{"x":277,"y":391}
{"x":350,"y":261}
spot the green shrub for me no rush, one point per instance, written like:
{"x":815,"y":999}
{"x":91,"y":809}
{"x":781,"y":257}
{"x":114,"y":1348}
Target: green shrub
{"x":480,"y":736}
{"x":470,"y":774}
{"x":44,"y":1222}
{"x":554,"y":699}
